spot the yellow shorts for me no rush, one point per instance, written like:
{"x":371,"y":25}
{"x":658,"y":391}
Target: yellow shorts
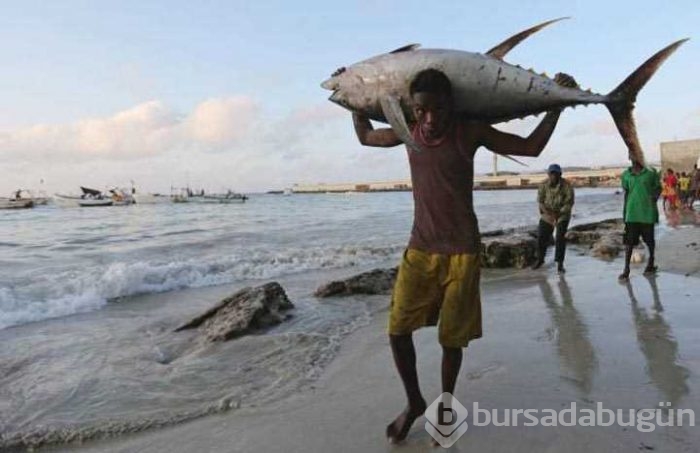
{"x":431,"y":287}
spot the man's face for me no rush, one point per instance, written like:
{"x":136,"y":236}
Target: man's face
{"x":554,"y":178}
{"x":433,"y":112}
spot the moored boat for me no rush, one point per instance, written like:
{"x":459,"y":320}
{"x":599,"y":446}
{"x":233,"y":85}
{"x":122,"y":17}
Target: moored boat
{"x":227,"y":198}
{"x":95,"y":202}
{"x":12,"y":203}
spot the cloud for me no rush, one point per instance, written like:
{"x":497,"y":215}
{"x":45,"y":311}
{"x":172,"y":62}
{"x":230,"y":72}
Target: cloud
{"x":218,"y":123}
{"x":145,"y":130}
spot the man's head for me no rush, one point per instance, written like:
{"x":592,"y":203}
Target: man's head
{"x":431,"y":93}
{"x":554,"y":172}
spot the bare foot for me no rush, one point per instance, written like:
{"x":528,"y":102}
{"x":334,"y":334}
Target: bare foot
{"x":397,"y":430}
{"x":624,"y":276}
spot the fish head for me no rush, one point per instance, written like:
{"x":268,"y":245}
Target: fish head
{"x":354,"y":87}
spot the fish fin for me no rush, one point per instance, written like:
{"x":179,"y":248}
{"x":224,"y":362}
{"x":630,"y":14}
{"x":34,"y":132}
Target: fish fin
{"x":395,"y":117}
{"x":406,"y":48}
{"x":621,"y":100}
{"x":503,"y":48}
{"x":513,"y":159}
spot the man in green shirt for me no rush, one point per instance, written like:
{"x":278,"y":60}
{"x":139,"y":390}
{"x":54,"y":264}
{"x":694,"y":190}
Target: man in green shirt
{"x":642,"y":188}
{"x":556,"y":198}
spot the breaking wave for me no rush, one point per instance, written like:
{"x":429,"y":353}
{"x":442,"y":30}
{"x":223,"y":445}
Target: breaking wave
{"x":78,"y":291}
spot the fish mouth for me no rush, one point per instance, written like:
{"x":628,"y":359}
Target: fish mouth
{"x":335,"y":97}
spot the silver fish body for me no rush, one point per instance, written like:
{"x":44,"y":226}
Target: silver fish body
{"x":483,"y":87}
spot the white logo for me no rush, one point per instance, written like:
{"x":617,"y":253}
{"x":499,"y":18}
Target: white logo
{"x":447,"y":420}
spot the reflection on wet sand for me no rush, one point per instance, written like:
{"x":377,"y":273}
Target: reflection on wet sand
{"x":659,"y":347}
{"x":678,"y":217}
{"x":576,"y":353}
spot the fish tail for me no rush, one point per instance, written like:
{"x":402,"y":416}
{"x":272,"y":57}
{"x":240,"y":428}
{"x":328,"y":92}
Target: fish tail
{"x":621,"y":100}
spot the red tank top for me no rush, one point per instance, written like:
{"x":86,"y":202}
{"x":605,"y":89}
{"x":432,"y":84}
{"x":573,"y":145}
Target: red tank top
{"x":443,"y":177}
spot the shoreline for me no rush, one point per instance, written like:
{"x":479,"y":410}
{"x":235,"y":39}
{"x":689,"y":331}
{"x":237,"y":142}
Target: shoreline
{"x":570,"y":345}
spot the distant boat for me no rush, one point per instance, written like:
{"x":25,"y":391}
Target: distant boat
{"x":89,"y":198}
{"x":286,"y":191}
{"x":227,"y":198}
{"x":39,"y":199}
{"x":20,"y":197}
{"x":181,"y":196}
{"x":122,"y":197}
{"x":95,"y":202}
{"x":15,"y":203}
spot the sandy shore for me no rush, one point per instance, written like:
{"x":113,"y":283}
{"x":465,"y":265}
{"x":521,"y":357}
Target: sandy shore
{"x":679,"y":251}
{"x":548,"y":341}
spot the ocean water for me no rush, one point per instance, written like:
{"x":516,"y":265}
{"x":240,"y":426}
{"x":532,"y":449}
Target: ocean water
{"x":89,"y":299}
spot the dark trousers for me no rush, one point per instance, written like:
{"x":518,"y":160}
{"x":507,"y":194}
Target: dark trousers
{"x":544,"y":238}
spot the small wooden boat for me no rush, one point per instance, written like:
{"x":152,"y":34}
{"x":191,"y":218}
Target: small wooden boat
{"x":12,"y":203}
{"x":95,"y":202}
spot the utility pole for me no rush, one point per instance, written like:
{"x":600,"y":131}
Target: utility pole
{"x":495,"y":164}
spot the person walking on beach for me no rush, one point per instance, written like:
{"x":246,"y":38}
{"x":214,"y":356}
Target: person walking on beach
{"x":556,"y":199}
{"x":439,"y":274}
{"x":642,"y":189}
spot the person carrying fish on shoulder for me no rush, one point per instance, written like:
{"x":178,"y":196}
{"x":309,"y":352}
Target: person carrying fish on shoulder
{"x":441,"y":105}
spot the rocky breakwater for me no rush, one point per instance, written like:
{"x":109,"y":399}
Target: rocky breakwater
{"x":511,"y":248}
{"x":600,"y":239}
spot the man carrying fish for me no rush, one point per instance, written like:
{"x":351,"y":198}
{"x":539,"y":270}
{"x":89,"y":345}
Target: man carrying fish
{"x":441,"y":104}
{"x":439,"y":274}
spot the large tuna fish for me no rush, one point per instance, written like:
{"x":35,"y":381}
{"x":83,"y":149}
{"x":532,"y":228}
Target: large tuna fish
{"x":484,"y":87}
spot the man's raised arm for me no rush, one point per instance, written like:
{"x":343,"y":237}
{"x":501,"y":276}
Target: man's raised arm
{"x":369,"y":136}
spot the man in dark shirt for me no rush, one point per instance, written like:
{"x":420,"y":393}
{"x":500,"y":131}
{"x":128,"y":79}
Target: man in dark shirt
{"x":439,"y":274}
{"x":555,"y":198}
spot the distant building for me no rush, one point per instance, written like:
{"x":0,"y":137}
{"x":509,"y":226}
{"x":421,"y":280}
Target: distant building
{"x":680,"y":155}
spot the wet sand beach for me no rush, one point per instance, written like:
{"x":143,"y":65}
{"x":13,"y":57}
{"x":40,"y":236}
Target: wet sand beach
{"x":548,"y":341}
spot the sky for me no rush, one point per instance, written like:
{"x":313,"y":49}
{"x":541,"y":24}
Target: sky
{"x":225,"y":94}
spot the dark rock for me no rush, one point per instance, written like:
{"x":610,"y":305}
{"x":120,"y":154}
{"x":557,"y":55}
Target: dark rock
{"x":515,"y":250}
{"x":608,"y":246}
{"x":582,"y":237}
{"x":376,"y":281}
{"x":609,"y":224}
{"x":602,"y":239}
{"x":247,"y":310}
